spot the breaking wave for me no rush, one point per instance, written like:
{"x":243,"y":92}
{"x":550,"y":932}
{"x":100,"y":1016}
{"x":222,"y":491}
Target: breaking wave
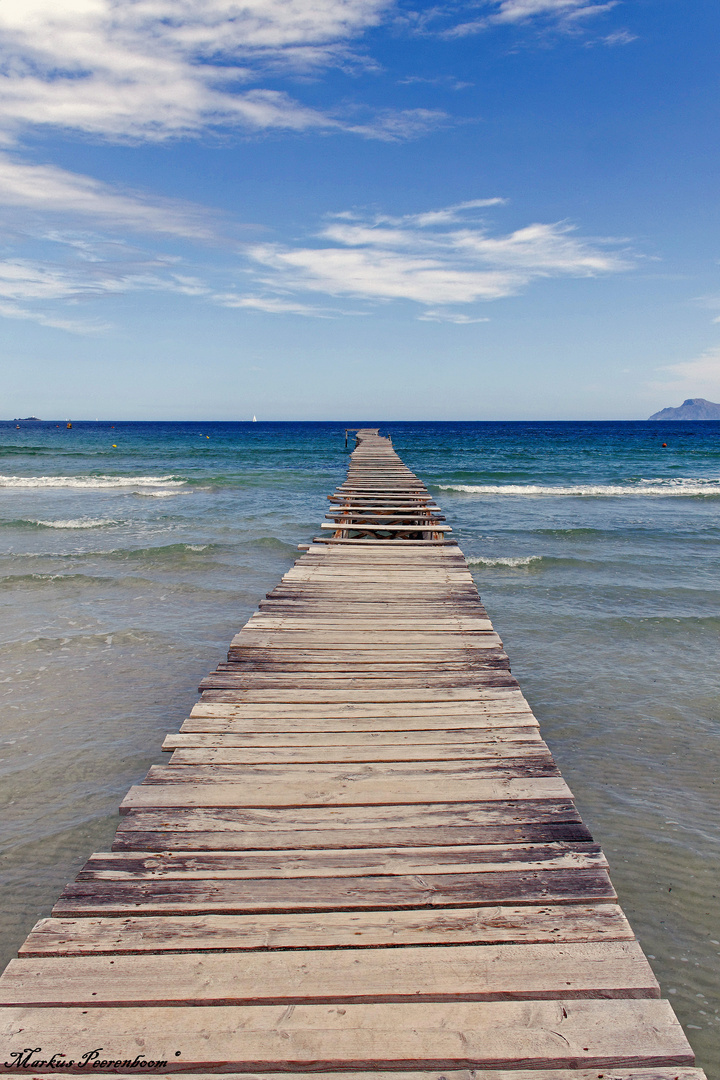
{"x":519,"y":560}
{"x":61,"y":523}
{"x":101,"y":481}
{"x":71,"y":523}
{"x":688,"y":487}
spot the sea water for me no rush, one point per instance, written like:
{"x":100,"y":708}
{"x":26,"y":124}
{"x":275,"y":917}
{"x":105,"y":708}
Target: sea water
{"x":130,"y":554}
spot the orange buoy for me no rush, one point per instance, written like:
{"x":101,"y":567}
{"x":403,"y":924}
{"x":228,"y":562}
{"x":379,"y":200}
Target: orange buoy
{"x":664,"y":444}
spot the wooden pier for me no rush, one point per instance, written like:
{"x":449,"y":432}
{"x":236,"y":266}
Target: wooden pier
{"x":360,"y":859}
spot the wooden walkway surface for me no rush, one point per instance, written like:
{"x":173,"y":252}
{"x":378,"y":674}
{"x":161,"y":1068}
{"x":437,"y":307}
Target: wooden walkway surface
{"x":361,"y":857}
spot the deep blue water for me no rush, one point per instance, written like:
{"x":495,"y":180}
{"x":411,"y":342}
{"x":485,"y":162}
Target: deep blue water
{"x":124,"y":571}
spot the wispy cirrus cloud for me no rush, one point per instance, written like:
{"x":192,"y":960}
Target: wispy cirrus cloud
{"x":155,"y":69}
{"x":59,"y":195}
{"x":59,"y":292}
{"x":517,"y":11}
{"x":438,"y":259}
{"x":271,"y":305}
{"x":464,"y":19}
{"x":66,"y":240}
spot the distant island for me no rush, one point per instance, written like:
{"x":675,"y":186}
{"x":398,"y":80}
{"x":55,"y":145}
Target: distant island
{"x":24,"y":419}
{"x":693,"y":408}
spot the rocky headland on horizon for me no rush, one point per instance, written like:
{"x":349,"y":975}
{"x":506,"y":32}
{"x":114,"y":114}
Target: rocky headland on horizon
{"x":694,"y":408}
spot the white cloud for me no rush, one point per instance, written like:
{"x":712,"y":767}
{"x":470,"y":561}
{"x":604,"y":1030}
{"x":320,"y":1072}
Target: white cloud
{"x":53,"y":214}
{"x":445,"y":82}
{"x":447,"y":315}
{"x":515,"y":11}
{"x":81,"y":269}
{"x":155,"y":69}
{"x":31,"y":290}
{"x":53,"y":191}
{"x":396,"y":125}
{"x":271,"y":305}
{"x":618,"y":37}
{"x":561,"y":14}
{"x":439,"y":258}
{"x":72,"y":326}
{"x":382,"y":275}
{"x":149,"y":69}
{"x":448,"y":214}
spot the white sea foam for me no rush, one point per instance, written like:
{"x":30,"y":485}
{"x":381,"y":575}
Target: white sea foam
{"x":680,"y":486}
{"x":89,"y":481}
{"x":76,"y":523}
{"x":519,"y":560}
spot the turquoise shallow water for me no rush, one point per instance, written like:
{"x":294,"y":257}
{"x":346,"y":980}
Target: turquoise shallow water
{"x":124,"y":572}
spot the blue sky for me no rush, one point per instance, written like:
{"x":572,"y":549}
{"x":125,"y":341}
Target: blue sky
{"x":314,"y":209}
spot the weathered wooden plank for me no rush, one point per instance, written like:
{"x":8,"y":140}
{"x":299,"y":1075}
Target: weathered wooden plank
{"x":251,"y":681}
{"x":372,"y":542}
{"x":481,"y":678}
{"x":336,"y":667}
{"x":408,"y":581}
{"x":437,"y":624}
{"x":441,"y":695}
{"x":567,"y":970}
{"x":446,"y":606}
{"x":277,"y":755}
{"x":514,"y":814}
{"x":492,"y":703}
{"x":168,"y":836}
{"x":332,"y":664}
{"x":239,"y":895}
{"x":360,"y":524}
{"x":352,"y":826}
{"x":419,"y":556}
{"x":330,"y":930}
{"x":537,"y":759}
{"x":415,"y":578}
{"x":378,"y":603}
{"x":324,"y":721}
{"x":321,"y":791}
{"x":441,"y":772}
{"x":364,"y":862}
{"x":510,"y":740}
{"x":366,"y":655}
{"x":389,"y":601}
{"x":333,"y":601}
{"x":366,"y":648}
{"x":487,"y":700}
{"x":550,"y":1034}
{"x":399,"y":511}
{"x":352,"y":636}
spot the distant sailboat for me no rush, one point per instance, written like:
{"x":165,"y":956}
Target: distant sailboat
{"x":254,"y":419}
